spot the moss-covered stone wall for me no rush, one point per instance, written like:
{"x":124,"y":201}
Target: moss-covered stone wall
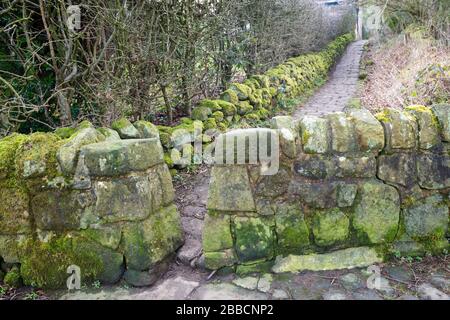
{"x":100,"y":199}
{"x":256,"y":100}
{"x":351,"y":189}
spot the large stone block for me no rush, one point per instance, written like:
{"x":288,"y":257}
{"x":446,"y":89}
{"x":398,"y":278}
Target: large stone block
{"x":398,"y":168}
{"x":116,"y":158}
{"x":400,"y":129}
{"x":127,"y":199}
{"x":254,"y":238}
{"x":428,"y":126}
{"x":67,"y":155}
{"x":314,"y":134}
{"x":369,"y":131}
{"x":341,"y":259}
{"x":433,"y":171}
{"x":14,"y":211}
{"x":322,"y":167}
{"x":291,"y":229}
{"x":165,"y":180}
{"x":376,"y":213}
{"x":147,"y":130}
{"x":150,"y":241}
{"x":217,"y":233}
{"x":56,"y":210}
{"x":324,"y":195}
{"x":343,"y":137}
{"x":330,"y":227}
{"x":427,"y":218}
{"x":442,"y":112}
{"x":230,"y":190}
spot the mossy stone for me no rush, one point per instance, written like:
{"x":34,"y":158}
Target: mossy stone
{"x":125,"y":129}
{"x":14,"y":211}
{"x":427,"y":218}
{"x":442,"y":113}
{"x":428,"y":126}
{"x":230,"y":96}
{"x":201,"y":113}
{"x":291,"y":229}
{"x":343,"y":135}
{"x":146,"y":129}
{"x":369,"y":131}
{"x":254,"y":238}
{"x":314,"y":134}
{"x":227,"y":108}
{"x":8,"y":148}
{"x":330,"y":227}
{"x":244,"y":107}
{"x":376,"y":213}
{"x":217,"y":260}
{"x":150,"y":241}
{"x":217,"y":233}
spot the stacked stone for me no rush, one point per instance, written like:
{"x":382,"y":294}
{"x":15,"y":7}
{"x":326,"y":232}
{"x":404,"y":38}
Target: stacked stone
{"x":100,"y":199}
{"x":346,"y":180}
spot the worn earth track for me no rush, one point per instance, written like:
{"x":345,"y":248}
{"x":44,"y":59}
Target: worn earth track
{"x":186,"y":279}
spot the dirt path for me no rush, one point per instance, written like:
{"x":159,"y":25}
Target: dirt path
{"x":340,"y":87}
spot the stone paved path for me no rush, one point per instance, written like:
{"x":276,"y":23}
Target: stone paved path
{"x":340,"y":87}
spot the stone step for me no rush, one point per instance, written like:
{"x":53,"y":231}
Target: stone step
{"x":341,"y":259}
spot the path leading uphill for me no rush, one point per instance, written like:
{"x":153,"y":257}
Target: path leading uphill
{"x":340,"y":87}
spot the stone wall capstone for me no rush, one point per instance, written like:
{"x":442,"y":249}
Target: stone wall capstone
{"x":100,"y":199}
{"x":351,"y":189}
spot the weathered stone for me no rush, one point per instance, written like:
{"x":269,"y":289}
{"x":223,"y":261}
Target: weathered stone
{"x":230,"y":189}
{"x":442,"y":112}
{"x":272,"y":186}
{"x":376,"y":214}
{"x":324,"y":195}
{"x":147,"y":130}
{"x":120,"y":157}
{"x":190,"y":252}
{"x":335,"y":294}
{"x":261,"y":266}
{"x":427,"y":218}
{"x":321,"y":167}
{"x":60,"y":210}
{"x":428,"y":126}
{"x":165,"y":180}
{"x":433,"y":171}
{"x":250,"y":283}
{"x":284,"y":122}
{"x":369,"y":131}
{"x":350,"y":167}
{"x":125,"y":129}
{"x":342,"y":133}
{"x":149,"y":242}
{"x":217,"y":260}
{"x":291,"y":229}
{"x":127,"y":199}
{"x":314,"y":166}
{"x":254,"y":238}
{"x":217,"y":233}
{"x":314,"y":133}
{"x":67,"y":155}
{"x":226,"y":291}
{"x":14,"y":211}
{"x":288,"y":143}
{"x":341,"y":259}
{"x":400,"y":129}
{"x":330,"y":227}
{"x":398,"y":168}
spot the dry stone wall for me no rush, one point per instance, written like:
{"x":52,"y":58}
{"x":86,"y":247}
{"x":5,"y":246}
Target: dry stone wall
{"x":359,"y":186}
{"x":100,"y":199}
